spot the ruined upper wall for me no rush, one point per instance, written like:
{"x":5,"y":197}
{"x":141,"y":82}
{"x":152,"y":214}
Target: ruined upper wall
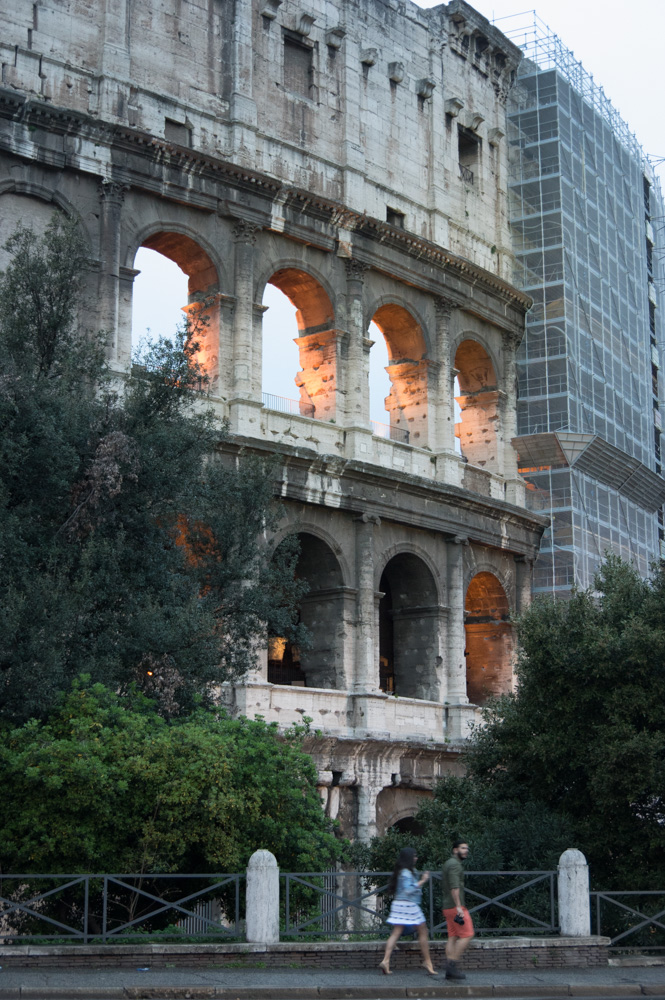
{"x":359,"y":101}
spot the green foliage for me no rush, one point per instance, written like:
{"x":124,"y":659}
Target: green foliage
{"x":106,"y":784}
{"x":584,"y":736}
{"x":130,"y":543}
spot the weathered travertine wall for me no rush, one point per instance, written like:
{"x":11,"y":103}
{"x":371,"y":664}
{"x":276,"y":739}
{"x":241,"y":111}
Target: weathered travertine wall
{"x":353,"y":155}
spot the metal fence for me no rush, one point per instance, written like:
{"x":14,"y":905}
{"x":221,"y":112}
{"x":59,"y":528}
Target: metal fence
{"x":349,"y":904}
{"x":284,"y":405}
{"x":633,"y":919}
{"x":101,"y":908}
{"x":389,"y":432}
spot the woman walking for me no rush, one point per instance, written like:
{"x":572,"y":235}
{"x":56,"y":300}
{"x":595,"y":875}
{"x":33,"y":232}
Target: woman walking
{"x":405,"y":908}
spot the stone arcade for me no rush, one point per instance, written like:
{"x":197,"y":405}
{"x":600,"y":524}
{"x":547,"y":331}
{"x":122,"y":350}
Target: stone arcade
{"x":351,"y":153}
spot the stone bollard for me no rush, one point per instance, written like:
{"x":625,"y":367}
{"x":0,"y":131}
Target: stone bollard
{"x":574,"y":905}
{"x":262,"y":898}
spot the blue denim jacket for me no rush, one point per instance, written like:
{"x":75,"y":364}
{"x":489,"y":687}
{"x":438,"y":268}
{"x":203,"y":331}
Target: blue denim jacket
{"x":408,"y":888}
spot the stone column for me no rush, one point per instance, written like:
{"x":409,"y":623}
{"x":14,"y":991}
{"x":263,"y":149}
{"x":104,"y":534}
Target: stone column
{"x":367,"y":796}
{"x":443,"y":432}
{"x":319,"y":381}
{"x":508,"y":409}
{"x":244,"y":234}
{"x":456,"y":633}
{"x":357,"y":372}
{"x":262,"y":898}
{"x":574,"y":905}
{"x":523,"y":581}
{"x":408,"y":402}
{"x":366,"y":675}
{"x":204,"y":328}
{"x":243,"y":106}
{"x":111,"y":196}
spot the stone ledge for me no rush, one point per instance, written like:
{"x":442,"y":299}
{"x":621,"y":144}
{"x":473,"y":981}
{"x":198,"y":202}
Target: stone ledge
{"x":511,"y":953}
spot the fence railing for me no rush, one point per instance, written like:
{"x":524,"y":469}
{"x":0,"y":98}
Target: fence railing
{"x":101,"y":908}
{"x":343,"y":904}
{"x":284,"y":405}
{"x":630,"y":919}
{"x":391,"y":433}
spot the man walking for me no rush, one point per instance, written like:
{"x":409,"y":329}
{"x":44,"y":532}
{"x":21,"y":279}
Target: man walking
{"x":458,"y":918}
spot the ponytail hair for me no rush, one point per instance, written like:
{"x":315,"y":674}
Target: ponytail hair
{"x":405,"y":859}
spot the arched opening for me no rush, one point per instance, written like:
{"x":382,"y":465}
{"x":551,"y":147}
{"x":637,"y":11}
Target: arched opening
{"x":313,"y":365}
{"x":397,"y":808}
{"x":321,"y":611}
{"x":408,"y":372}
{"x":176,"y":276}
{"x":489,"y":640}
{"x":478,"y":400}
{"x":408,"y":629}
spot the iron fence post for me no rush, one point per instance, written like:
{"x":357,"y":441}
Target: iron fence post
{"x":237,"y":927}
{"x":287,"y":918}
{"x":104,"y":907}
{"x":86,"y":899}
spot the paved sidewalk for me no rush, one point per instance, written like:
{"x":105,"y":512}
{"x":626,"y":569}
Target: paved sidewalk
{"x":323,"y":984}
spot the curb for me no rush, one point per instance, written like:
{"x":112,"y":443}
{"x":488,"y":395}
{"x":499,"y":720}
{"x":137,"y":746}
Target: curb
{"x":324,"y":992}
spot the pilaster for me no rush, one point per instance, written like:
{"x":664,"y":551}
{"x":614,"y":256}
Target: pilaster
{"x":367,"y":656}
{"x":244,"y":235}
{"x":357,"y":374}
{"x":111,"y":196}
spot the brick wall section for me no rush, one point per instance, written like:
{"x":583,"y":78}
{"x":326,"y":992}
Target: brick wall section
{"x":521,"y":953}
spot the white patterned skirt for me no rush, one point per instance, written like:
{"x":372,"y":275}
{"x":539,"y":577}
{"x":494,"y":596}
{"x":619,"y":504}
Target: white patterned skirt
{"x":405,"y":913}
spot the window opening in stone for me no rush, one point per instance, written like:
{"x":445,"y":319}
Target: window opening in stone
{"x":478,"y":400}
{"x":407,"y":372}
{"x":159,"y":294}
{"x":395,"y":218}
{"x":489,"y":640}
{"x":280,"y":352}
{"x":379,"y":382}
{"x":178,"y":284}
{"x":319,"y":664}
{"x":301,"y":347}
{"x":469,"y":153}
{"x":298,"y":67}
{"x":177,"y":132}
{"x":408,"y":629}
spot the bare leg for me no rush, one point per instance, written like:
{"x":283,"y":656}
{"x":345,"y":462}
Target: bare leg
{"x":423,"y":941}
{"x":459,"y":946}
{"x":390,"y":944}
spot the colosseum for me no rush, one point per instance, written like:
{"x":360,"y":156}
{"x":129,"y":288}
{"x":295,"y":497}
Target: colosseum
{"x":353,"y":154}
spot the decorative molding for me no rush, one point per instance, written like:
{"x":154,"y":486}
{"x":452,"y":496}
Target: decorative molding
{"x":453,"y":106}
{"x":305,"y":24}
{"x":369,"y":57}
{"x":355,"y":269}
{"x":425,"y":88}
{"x":396,"y":72}
{"x":335,"y":37}
{"x":113,"y":191}
{"x":495,"y":135}
{"x":443,"y":307}
{"x":245,"y":231}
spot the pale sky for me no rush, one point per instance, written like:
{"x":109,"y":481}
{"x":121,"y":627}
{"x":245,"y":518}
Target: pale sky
{"x":619,"y":43}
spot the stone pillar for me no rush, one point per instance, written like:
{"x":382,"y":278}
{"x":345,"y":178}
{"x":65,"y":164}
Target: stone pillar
{"x":127,"y":276}
{"x":574,"y":905}
{"x":443,"y":432}
{"x":244,"y":234}
{"x":507,"y":428}
{"x":407,"y":402}
{"x":367,"y":796}
{"x":523,"y":581}
{"x":243,"y":106}
{"x":366,"y":676}
{"x":357,"y":370}
{"x":480,"y":431}
{"x":262,"y":898}
{"x":456,"y":633}
{"x":319,"y":380}
{"x":111,"y":196}
{"x":203,"y":320}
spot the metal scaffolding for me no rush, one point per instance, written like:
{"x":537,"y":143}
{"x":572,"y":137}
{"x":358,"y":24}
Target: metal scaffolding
{"x":583,"y":198}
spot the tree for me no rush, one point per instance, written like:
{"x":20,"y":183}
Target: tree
{"x":107,"y":784}
{"x":584,"y":735}
{"x":131,"y":545}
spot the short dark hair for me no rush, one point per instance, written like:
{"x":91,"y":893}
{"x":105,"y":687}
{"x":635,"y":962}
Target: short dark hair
{"x":458,"y":841}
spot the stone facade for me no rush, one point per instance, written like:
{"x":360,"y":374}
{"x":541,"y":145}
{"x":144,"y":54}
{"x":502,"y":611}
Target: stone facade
{"x":352,"y":154}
